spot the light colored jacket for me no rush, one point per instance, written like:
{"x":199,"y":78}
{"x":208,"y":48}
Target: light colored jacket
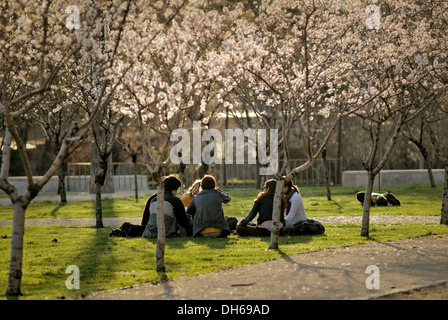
{"x":170,"y":221}
{"x":296,"y":211}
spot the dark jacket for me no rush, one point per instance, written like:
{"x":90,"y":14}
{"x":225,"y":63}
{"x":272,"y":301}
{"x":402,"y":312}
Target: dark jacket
{"x":206,"y":209}
{"x":264,"y":208}
{"x":174,"y":212}
{"x":146,"y":213}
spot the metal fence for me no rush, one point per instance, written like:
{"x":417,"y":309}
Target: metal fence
{"x":79,"y":176}
{"x":228,"y":175}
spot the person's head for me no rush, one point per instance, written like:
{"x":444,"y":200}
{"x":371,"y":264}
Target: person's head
{"x":269,"y":187}
{"x":208,"y":182}
{"x":290,"y":188}
{"x":194,"y":188}
{"x":171,"y":183}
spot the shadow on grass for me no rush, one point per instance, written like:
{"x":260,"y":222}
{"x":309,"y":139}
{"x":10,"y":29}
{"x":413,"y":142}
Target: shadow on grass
{"x":181,"y":242}
{"x":223,"y":243}
{"x":95,"y":261}
{"x":58,"y":207}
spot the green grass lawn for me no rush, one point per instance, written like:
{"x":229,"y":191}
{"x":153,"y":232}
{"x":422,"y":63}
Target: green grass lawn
{"x":107,"y":263}
{"x":416,"y":200}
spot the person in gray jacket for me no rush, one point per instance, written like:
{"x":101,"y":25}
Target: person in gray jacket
{"x":206,"y":210}
{"x":177,"y":223}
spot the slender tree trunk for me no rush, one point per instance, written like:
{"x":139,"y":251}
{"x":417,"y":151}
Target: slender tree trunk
{"x":62,"y":173}
{"x":160,"y":248}
{"x":276,"y":214}
{"x":366,"y":205}
{"x":181,"y":172}
{"x":99,"y":207}
{"x":15,"y":265}
{"x":100,"y":177}
{"x":430,"y":174}
{"x":326,"y":175}
{"x":444,"y":215}
{"x":134,"y":164}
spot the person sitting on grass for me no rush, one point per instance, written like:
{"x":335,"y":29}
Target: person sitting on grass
{"x":191,"y":193}
{"x":206,"y":210}
{"x":263,"y":206}
{"x":177,"y":222}
{"x":295,"y":210}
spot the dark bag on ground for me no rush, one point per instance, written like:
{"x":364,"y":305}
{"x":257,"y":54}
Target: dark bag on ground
{"x":306,"y":227}
{"x":128,"y":229}
{"x":232,"y":222}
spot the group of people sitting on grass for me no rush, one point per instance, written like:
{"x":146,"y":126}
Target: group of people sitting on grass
{"x":199,"y":212}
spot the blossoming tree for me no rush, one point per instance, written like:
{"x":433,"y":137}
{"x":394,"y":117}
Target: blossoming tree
{"x":171,"y":77}
{"x":392,"y":59}
{"x":292,"y":62}
{"x":38,"y":42}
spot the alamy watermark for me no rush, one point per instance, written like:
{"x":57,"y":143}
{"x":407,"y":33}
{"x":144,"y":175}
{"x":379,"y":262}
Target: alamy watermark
{"x":73,"y":20}
{"x":373,"y":281}
{"x":72,"y":281}
{"x":257,"y":141}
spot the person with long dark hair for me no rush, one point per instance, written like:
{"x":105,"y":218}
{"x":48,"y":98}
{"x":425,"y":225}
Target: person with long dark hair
{"x":295,"y":210}
{"x":263,"y":207}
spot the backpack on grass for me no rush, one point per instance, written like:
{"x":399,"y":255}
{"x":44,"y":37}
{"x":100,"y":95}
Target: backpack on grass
{"x":306,"y":227}
{"x":128,"y":229}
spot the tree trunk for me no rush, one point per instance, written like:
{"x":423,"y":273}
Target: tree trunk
{"x":430,"y":174}
{"x":160,"y":249}
{"x":134,"y":165}
{"x":326,"y":175}
{"x":98,"y":164}
{"x":99,"y":207}
{"x":62,"y":173}
{"x":100,"y":177}
{"x":276,"y":214}
{"x":15,"y":264}
{"x":366,"y":205}
{"x":108,"y":184}
{"x":444,"y":215}
{"x":181,"y":172}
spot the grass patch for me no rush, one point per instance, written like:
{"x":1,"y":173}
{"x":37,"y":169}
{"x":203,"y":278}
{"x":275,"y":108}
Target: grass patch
{"x":416,"y":200}
{"x":107,"y":263}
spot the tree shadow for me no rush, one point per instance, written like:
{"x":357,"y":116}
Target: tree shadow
{"x":180,"y":242}
{"x":57,"y":208}
{"x":287,"y":239}
{"x":93,"y":261}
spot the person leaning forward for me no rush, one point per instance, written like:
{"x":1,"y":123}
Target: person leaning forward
{"x":176,"y":221}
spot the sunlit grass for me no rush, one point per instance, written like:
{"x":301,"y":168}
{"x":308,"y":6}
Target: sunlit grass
{"x":108,"y":262}
{"x":416,"y":200}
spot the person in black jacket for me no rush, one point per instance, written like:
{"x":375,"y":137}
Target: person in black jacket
{"x":176,"y":220}
{"x":146,"y":213}
{"x":263,"y":206}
